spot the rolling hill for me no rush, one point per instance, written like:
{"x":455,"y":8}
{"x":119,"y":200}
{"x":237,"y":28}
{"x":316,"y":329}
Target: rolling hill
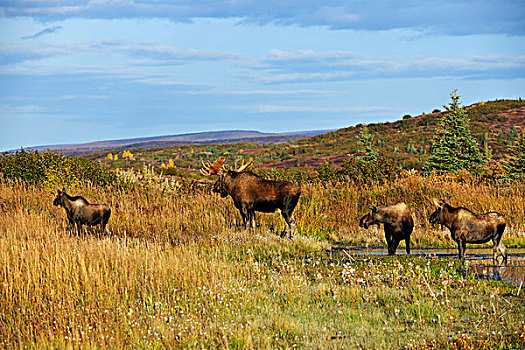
{"x":201,"y":138}
{"x":494,"y":124}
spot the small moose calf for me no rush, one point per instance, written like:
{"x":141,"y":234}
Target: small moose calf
{"x":80,"y":212}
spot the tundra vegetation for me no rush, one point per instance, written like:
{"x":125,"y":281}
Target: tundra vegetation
{"x":178,"y":269}
{"x":494,"y":125}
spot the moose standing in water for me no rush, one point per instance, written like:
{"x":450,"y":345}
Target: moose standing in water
{"x":467,"y":227}
{"x":80,"y":212}
{"x":397,"y":222}
{"x":251,"y":193}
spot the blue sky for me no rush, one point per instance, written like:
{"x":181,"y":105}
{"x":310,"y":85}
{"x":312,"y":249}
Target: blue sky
{"x":77,"y":71}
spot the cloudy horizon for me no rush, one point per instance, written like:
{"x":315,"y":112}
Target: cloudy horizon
{"x":80,"y":71}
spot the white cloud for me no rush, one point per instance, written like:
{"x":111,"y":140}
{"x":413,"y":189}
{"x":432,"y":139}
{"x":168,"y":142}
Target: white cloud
{"x":452,"y":17}
{"x":313,"y":109}
{"x":301,"y":66}
{"x":11,"y":109}
{"x":268,"y":92}
{"x":304,"y":77}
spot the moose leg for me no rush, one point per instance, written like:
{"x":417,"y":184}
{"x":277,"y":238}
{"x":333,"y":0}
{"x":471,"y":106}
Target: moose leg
{"x":395,"y":244}
{"x":495,"y":253}
{"x":407,"y":244}
{"x":71,"y":223}
{"x":79,"y":228}
{"x":499,"y":247}
{"x":103,"y":228}
{"x":503,"y":251}
{"x":292,"y":225}
{"x":104,"y":222}
{"x":71,"y":226}
{"x":245,"y":215}
{"x":250,"y":216}
{"x":252,"y":219}
{"x":462,"y":244}
{"x":497,"y":250}
{"x":290,"y":221}
{"x":290,"y":202}
{"x":389,"y":241}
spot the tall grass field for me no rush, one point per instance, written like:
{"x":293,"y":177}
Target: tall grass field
{"x":178,"y":271}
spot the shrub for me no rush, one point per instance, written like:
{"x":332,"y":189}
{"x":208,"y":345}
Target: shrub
{"x":51,"y":168}
{"x":360,"y":171}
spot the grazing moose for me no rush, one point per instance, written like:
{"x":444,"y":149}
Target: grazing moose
{"x":397,"y":222}
{"x":467,"y":227}
{"x":80,"y":212}
{"x":251,"y":193}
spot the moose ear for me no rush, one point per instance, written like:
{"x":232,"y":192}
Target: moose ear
{"x":446,"y":201}
{"x":371,"y":207}
{"x":64,"y":189}
{"x":436,"y":203}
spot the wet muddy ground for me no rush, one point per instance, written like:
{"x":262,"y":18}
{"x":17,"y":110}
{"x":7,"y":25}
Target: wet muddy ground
{"x":479,"y":260}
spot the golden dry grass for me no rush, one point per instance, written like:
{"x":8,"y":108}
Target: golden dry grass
{"x":177,"y":271}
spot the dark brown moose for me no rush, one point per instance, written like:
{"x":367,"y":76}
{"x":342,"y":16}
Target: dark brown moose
{"x":468,"y":227}
{"x":397,"y":222}
{"x":251,"y":193}
{"x":80,"y":212}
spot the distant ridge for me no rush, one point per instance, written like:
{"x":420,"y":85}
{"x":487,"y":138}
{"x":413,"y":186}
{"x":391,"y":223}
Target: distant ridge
{"x":199,"y":138}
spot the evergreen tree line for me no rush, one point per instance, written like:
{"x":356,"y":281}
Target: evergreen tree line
{"x":454,"y":148}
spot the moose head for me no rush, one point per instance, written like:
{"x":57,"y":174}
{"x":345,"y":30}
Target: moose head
{"x":218,"y":168}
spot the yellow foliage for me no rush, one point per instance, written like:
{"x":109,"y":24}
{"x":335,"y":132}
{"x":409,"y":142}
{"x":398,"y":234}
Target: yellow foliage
{"x":127,"y":154}
{"x":171,"y":164}
{"x":116,"y":157}
{"x":163,"y":165}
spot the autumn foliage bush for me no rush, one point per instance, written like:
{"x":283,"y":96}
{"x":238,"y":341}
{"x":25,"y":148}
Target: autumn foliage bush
{"x":49,"y":168}
{"x":360,"y":171}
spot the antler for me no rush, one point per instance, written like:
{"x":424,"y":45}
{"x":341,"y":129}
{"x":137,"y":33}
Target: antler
{"x":244,"y":166}
{"x":209,"y":168}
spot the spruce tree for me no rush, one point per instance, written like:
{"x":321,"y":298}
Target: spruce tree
{"x":454,"y":148}
{"x":516,"y":165}
{"x":365,"y":140}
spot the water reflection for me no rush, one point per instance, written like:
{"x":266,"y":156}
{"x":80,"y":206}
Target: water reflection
{"x":513,"y":272}
{"x":479,"y":260}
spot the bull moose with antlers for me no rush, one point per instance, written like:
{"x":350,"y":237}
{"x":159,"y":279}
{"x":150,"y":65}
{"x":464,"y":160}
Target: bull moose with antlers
{"x":251,"y":193}
{"x":468,"y":227}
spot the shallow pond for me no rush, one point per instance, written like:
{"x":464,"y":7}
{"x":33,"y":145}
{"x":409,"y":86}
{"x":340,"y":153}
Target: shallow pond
{"x":480,"y":260}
